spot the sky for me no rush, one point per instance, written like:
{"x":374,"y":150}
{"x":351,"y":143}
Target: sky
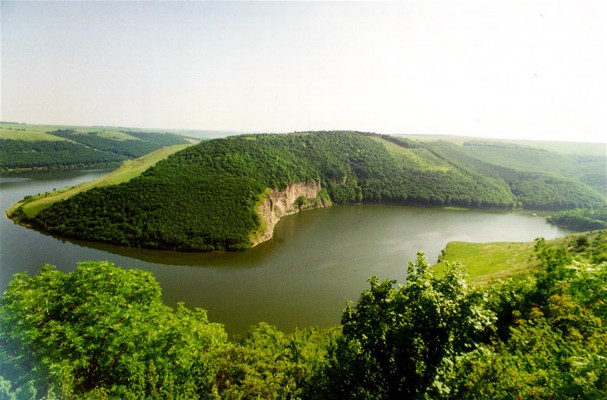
{"x":508,"y":69}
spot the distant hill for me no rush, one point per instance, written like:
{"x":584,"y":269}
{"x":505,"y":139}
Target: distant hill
{"x":29,"y":147}
{"x":209,"y":196}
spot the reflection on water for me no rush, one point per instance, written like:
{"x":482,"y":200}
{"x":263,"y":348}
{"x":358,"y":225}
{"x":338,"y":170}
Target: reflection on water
{"x":317,"y":260}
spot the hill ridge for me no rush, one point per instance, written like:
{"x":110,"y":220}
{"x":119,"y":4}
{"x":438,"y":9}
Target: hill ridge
{"x":205,"y":197}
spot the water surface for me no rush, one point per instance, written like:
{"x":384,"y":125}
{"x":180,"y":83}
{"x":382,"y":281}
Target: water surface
{"x":317,"y":261}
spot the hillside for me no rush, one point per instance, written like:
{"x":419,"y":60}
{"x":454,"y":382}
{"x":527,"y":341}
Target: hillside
{"x":32,"y":205}
{"x":540,"y":179}
{"x":207,"y":197}
{"x":585,"y":162}
{"x":27,"y":147}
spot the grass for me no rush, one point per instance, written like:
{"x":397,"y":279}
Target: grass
{"x":29,"y":135}
{"x":127,"y":171}
{"x":486,"y":262}
{"x":419,"y":159}
{"x":39,"y":132}
{"x":115,"y":135}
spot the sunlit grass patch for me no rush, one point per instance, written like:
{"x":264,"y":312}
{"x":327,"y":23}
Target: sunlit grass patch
{"x":29,"y":135}
{"x":489,"y":261}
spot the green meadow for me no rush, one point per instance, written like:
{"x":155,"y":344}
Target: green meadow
{"x":28,"y":135}
{"x":485,"y":262}
{"x":488,"y":262}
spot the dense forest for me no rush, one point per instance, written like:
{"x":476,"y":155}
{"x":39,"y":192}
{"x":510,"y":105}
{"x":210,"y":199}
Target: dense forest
{"x":204,"y":198}
{"x":24,"y":147}
{"x":102,"y":332}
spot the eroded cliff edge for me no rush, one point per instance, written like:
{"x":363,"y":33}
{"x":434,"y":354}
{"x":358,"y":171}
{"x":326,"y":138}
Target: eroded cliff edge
{"x":277,"y":203}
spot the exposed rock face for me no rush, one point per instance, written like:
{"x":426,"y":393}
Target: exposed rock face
{"x":278,"y":203}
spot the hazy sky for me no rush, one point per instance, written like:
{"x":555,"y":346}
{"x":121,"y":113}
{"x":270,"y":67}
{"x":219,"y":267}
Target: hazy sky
{"x":526,"y":69}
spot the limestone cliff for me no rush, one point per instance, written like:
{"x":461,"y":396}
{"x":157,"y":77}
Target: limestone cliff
{"x":278,"y":203}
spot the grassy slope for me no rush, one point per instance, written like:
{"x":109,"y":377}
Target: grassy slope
{"x":489,"y":261}
{"x":415,"y":158}
{"x":28,"y":135}
{"x":486,"y":262}
{"x":128,"y":170}
{"x":115,"y":133}
{"x":49,"y":128}
{"x":32,"y":133}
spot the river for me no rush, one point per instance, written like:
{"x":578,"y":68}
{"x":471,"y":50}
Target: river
{"x":316,"y":262}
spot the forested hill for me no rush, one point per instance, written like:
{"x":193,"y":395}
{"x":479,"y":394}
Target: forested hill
{"x":204,"y":198}
{"x":29,"y":147}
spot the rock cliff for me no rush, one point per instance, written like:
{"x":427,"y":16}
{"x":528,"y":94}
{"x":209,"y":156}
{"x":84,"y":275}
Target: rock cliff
{"x":278,"y":203}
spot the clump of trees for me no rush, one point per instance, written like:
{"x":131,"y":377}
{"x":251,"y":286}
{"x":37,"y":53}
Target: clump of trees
{"x":103,"y":332}
{"x":581,"y":219}
{"x":405,"y":341}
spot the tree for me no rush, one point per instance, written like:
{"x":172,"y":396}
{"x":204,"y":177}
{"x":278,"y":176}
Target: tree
{"x":104,"y":330}
{"x":269,"y":364}
{"x":403,"y":342}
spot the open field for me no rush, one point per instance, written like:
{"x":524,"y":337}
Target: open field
{"x":29,"y":135}
{"x":128,"y":170}
{"x":486,"y":262}
{"x":489,"y":261}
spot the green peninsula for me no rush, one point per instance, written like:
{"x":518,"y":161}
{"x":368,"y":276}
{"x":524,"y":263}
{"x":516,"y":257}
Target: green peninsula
{"x":227,"y":194}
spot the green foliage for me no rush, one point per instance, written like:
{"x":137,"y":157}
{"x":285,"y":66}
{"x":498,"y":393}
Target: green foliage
{"x":403,"y":342}
{"x":548,"y":193}
{"x":214,"y":187}
{"x":272,"y":365}
{"x":103,"y":329}
{"x":581,"y":219}
{"x":591,"y":246}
